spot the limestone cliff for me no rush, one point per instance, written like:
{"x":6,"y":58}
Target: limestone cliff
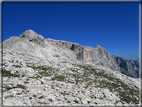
{"x":100,"y":56}
{"x":128,"y":67}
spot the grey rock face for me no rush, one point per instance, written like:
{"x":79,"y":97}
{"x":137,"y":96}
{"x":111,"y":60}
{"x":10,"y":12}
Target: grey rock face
{"x":128,"y":67}
{"x":7,"y":44}
{"x":33,"y":37}
{"x":100,"y":56}
{"x":79,"y":50}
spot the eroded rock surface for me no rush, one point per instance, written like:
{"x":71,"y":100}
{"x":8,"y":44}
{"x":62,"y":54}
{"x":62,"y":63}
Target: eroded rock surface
{"x":38,"y":71}
{"x":100,"y":56}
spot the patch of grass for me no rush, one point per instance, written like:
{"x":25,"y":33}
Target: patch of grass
{"x":127,"y":94}
{"x":75,"y":101}
{"x":68,"y":102}
{"x":26,"y":82}
{"x":5,"y":90}
{"x":63,"y":93}
{"x":9,"y":96}
{"x":116,"y":102}
{"x":8,"y":74}
{"x":19,"y":93}
{"x":40,"y":97}
{"x":44,"y":73}
{"x":40,"y":68}
{"x":34,"y":96}
{"x":20,"y":86}
{"x":88,"y":102}
{"x":93,"y":97}
{"x":59,"y":78}
{"x":56,"y":56}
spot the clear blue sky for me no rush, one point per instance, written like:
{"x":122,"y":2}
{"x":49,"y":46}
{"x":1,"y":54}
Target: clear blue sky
{"x":114,"y":26}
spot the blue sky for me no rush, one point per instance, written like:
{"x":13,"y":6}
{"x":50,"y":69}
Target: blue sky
{"x":114,"y":26}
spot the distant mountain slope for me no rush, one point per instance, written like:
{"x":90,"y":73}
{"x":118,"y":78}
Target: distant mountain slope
{"x":100,"y":56}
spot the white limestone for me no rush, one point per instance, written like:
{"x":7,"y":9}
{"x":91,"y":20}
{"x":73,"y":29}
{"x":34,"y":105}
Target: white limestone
{"x":51,"y":75}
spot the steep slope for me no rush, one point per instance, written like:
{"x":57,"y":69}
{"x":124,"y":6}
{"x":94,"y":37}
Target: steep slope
{"x":38,"y":71}
{"x":100,"y":56}
{"x":128,"y":67}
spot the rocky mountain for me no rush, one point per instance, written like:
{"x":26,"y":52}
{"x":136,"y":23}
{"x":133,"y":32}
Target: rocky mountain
{"x":100,"y":56}
{"x":38,"y":71}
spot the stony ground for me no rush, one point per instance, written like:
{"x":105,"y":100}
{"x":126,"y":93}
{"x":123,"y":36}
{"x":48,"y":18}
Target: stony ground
{"x":32,"y":80}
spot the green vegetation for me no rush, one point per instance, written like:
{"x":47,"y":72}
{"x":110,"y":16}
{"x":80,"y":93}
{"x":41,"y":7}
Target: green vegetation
{"x":59,"y":78}
{"x":19,"y":93}
{"x":68,"y":101}
{"x":40,"y":97}
{"x":75,"y":101}
{"x":9,"y":96}
{"x":34,"y":96}
{"x":56,"y":56}
{"x":39,"y":67}
{"x":8,"y":74}
{"x":126,"y":93}
{"x":44,"y":73}
{"x":20,"y":86}
{"x":88,"y":102}
{"x":93,"y":97}
{"x":26,"y":82}
{"x":49,"y":69}
{"x":4,"y":90}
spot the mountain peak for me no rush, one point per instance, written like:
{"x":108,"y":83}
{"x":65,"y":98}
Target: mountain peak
{"x":32,"y":36}
{"x":98,"y":46}
{"x":28,"y":32}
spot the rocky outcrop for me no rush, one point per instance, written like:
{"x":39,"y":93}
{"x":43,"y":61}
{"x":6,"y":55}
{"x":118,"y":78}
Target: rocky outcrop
{"x":128,"y":67}
{"x":33,"y":37}
{"x":100,"y":56}
{"x":26,"y":37}
{"x":8,"y":43}
{"x":78,"y":49}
